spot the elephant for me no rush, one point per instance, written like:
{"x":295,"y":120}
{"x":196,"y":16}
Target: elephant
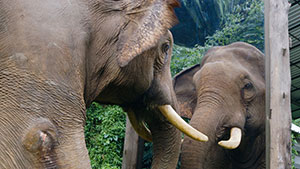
{"x":57,"y":57}
{"x":224,"y":97}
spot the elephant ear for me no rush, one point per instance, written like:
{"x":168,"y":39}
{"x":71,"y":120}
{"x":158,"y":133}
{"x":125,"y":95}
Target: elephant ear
{"x":185,"y":91}
{"x":148,"y":21}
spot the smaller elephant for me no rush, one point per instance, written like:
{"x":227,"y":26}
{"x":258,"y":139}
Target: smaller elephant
{"x":225,"y":98}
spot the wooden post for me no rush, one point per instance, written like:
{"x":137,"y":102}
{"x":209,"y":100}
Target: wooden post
{"x":133,"y":148}
{"x":278,"y":81}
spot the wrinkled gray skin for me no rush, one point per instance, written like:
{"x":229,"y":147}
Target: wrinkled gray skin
{"x":228,"y":91}
{"x":56,"y":57}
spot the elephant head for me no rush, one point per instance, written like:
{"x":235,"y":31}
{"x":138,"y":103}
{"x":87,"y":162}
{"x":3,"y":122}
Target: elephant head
{"x":56,"y":57}
{"x":225,"y":98}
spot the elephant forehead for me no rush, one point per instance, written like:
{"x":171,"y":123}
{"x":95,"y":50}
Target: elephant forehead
{"x":221,"y":68}
{"x":232,"y":70}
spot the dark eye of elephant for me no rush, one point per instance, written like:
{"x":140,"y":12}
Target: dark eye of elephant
{"x":248,"y":86}
{"x":248,"y":91}
{"x":165,"y":49}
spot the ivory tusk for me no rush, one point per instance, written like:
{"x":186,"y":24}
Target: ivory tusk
{"x":139,"y":127}
{"x":234,"y":140}
{"x":180,"y":124}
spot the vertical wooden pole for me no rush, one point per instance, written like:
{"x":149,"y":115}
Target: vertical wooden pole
{"x":133,"y":148}
{"x":278,"y":81}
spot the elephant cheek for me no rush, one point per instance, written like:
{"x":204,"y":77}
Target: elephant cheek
{"x":158,"y":95}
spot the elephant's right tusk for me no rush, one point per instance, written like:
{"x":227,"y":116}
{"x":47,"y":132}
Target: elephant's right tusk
{"x":180,"y":124}
{"x":234,"y":140}
{"x":139,"y":127}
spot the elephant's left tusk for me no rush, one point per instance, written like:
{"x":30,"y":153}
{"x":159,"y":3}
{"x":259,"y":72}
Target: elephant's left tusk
{"x":139,"y":127}
{"x":234,"y":140}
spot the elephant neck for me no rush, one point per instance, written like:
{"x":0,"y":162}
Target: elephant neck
{"x":250,"y":155}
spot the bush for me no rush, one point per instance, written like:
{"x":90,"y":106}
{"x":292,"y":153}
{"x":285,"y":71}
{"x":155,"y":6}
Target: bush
{"x":104,"y":136}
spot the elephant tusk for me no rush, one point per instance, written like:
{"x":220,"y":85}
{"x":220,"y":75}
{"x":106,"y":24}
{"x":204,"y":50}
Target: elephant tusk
{"x":180,"y":124}
{"x":234,"y":140}
{"x":139,"y":127}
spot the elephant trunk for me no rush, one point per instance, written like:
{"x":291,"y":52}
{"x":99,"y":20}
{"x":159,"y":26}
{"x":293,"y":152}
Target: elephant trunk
{"x":197,"y":155}
{"x":166,"y":137}
{"x":166,"y":145}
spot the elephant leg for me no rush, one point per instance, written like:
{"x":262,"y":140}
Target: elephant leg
{"x":166,"y":144}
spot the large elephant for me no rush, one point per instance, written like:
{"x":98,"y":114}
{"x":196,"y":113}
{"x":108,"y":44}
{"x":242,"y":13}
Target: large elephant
{"x":225,"y":98}
{"x":56,"y":57}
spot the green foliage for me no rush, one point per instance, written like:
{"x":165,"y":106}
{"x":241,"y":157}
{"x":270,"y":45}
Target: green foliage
{"x":183,"y":57}
{"x":104,"y":136}
{"x":245,"y":23}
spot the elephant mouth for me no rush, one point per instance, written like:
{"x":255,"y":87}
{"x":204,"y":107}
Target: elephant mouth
{"x":254,"y":157}
{"x":139,"y":126}
{"x":170,"y":114}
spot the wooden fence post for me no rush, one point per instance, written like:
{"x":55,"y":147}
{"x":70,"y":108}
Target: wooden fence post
{"x":133,"y":148}
{"x":278,"y":81}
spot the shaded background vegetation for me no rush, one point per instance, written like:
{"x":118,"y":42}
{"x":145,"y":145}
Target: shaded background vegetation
{"x":203,"y":23}
{"x":199,"y":19}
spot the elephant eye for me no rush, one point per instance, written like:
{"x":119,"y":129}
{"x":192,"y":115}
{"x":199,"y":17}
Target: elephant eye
{"x":248,"y":91}
{"x":165,"y":48}
{"x":248,"y":86}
